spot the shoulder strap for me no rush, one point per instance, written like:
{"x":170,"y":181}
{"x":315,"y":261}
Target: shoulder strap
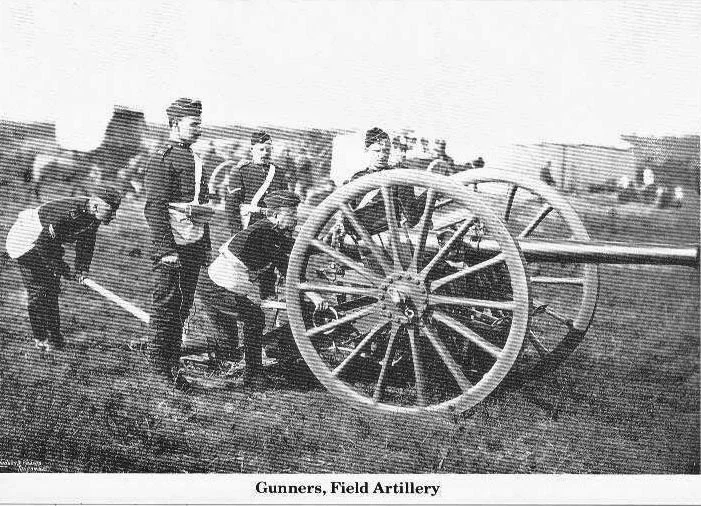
{"x":264,"y":187}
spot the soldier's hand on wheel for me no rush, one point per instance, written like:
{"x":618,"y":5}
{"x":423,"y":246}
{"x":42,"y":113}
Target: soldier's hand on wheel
{"x":80,"y":276}
{"x":320,"y":304}
{"x":171,"y":260}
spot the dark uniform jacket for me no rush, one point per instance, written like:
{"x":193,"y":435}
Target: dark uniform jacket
{"x":262,"y":246}
{"x":245,"y":180}
{"x":66,"y":221}
{"x":170,"y":177}
{"x":406,"y":205}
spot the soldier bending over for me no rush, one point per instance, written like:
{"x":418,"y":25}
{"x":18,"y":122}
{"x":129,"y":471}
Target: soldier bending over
{"x":232,"y":291}
{"x":36,"y":241}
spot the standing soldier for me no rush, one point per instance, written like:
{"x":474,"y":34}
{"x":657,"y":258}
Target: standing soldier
{"x":239,"y":278}
{"x":249,"y":183}
{"x":377,"y":155}
{"x":36,"y":241}
{"x":175,"y":189}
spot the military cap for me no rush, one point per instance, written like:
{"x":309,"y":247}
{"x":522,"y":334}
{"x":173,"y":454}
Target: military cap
{"x":281,"y":198}
{"x":184,"y":107}
{"x":260,"y":137}
{"x":375,"y":135}
{"x":110,"y":195}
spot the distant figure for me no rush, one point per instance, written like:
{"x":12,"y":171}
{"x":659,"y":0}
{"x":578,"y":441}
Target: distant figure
{"x":626,"y":190}
{"x":546,"y":175}
{"x":250,"y":181}
{"x":442,"y":163}
{"x":649,"y":190}
{"x":678,"y":200}
{"x":479,"y":163}
{"x":398,"y":153}
{"x":36,"y":240}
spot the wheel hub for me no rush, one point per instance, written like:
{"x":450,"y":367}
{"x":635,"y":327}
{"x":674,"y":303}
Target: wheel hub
{"x":404,"y":296}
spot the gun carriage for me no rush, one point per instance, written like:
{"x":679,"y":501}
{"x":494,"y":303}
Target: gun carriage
{"x":438,"y":301}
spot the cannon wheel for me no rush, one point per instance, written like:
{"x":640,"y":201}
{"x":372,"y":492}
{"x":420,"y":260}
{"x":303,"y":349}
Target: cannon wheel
{"x":543,"y":354}
{"x":396,"y":281}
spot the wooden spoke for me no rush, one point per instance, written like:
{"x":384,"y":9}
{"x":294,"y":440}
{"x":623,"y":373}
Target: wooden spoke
{"x":342,"y":321}
{"x":424,"y":226}
{"x":344,"y":289}
{"x":545,"y":280}
{"x":435,"y":285}
{"x":418,"y":366}
{"x":385,"y":365}
{"x":461,"y":329}
{"x":511,"y":193}
{"x":340,"y":257}
{"x":544,"y":211}
{"x":504,"y":305}
{"x":459,"y":233}
{"x":539,"y":347}
{"x":392,"y":226}
{"x":356,"y":351}
{"x":448,"y":360}
{"x":365,"y":236}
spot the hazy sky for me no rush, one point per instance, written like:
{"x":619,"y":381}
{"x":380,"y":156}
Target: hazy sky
{"x":540,"y":70}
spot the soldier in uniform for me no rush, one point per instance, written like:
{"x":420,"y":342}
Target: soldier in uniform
{"x":441,"y":163}
{"x":377,"y":152}
{"x":238,"y":277}
{"x":249,"y":183}
{"x":176,"y":189}
{"x":36,"y":240}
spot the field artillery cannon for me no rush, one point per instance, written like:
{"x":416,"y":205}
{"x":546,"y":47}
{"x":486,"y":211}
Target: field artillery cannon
{"x":463,"y":300}
{"x":431,"y":314}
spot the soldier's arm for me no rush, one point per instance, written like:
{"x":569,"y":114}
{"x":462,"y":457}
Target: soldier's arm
{"x":236,"y":192}
{"x":235,"y":195}
{"x":84,"y":248}
{"x":158,"y":191}
{"x":48,"y":244}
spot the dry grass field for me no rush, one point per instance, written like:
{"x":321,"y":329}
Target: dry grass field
{"x":627,"y":401}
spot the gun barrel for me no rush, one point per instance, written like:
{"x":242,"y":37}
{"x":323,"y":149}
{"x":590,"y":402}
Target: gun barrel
{"x":597,"y":252}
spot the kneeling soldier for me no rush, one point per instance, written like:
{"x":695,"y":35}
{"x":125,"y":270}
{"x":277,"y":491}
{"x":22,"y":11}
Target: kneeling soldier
{"x":36,"y":240}
{"x":232,"y":291}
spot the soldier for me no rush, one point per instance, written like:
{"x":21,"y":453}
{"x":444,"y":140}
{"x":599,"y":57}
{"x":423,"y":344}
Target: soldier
{"x":238,"y":277}
{"x":250,"y":181}
{"x":176,"y":188}
{"x":441,"y":163}
{"x":377,"y":152}
{"x":36,"y":240}
{"x":398,"y":153}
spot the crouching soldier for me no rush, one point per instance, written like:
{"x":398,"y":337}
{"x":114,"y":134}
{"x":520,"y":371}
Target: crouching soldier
{"x":232,"y":291}
{"x":36,"y":240}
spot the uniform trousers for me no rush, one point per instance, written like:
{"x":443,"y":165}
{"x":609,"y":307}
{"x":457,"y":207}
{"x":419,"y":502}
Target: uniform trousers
{"x":43,"y":288}
{"x":173,"y":295}
{"x":226,"y":308}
